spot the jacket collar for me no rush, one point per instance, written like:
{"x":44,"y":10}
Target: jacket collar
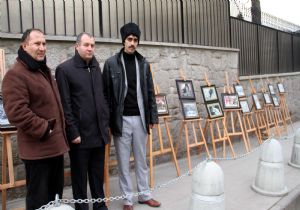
{"x":137,"y":54}
{"x":79,"y":62}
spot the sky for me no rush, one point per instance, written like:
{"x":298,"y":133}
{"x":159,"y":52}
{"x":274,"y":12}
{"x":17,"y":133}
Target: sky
{"x":285,"y":9}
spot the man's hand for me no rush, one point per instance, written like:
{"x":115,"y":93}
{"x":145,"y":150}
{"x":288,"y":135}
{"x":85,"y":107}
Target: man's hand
{"x":77,"y":140}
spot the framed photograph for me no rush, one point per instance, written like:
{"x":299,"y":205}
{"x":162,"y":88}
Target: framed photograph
{"x":280,"y":88}
{"x":230,"y":101}
{"x":267,"y":98}
{"x":271,"y":89}
{"x":162,"y":105}
{"x":239,"y":90}
{"x":4,"y":123}
{"x":214,"y":110}
{"x":189,"y":109}
{"x":209,"y":93}
{"x":244,"y":106}
{"x":256,"y":102}
{"x":275,"y":100}
{"x":185,"y":89}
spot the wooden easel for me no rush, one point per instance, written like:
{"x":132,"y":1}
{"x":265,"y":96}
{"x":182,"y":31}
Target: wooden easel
{"x":162,"y":150}
{"x":2,"y":64}
{"x":214,"y":123}
{"x":284,"y":108}
{"x":260,"y":117}
{"x":248,"y":122}
{"x":199,"y":140}
{"x":7,"y":162}
{"x":270,"y":113}
{"x":230,"y":114}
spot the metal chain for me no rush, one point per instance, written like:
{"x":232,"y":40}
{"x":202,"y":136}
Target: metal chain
{"x":164,"y":185}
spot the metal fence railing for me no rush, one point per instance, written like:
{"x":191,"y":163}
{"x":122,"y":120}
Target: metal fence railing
{"x":263,"y":50}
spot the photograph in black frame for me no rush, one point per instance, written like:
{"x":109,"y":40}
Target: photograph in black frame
{"x":162,"y":104}
{"x":267,"y":98}
{"x":4,"y":123}
{"x":209,"y":93}
{"x":230,"y":101}
{"x":189,"y":109}
{"x":280,"y":88}
{"x":271,"y":89}
{"x":244,"y":106}
{"x":275,"y":99}
{"x":256,"y":102}
{"x":214,"y":110}
{"x":239,"y":90}
{"x":185,"y":89}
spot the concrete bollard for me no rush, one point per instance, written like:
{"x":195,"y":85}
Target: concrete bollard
{"x":208,"y":188}
{"x":269,"y":178}
{"x":58,"y":206}
{"x":295,"y":158}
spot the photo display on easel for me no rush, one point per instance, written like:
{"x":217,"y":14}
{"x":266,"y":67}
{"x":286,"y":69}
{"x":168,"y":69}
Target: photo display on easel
{"x":245,"y":106}
{"x":275,"y":99}
{"x":238,"y":88}
{"x":271,"y":89}
{"x":256,"y":102}
{"x":211,"y":101}
{"x":267,"y":98}
{"x":186,"y":94}
{"x":230,"y":100}
{"x":280,"y":88}
{"x":4,"y":123}
{"x":162,"y":104}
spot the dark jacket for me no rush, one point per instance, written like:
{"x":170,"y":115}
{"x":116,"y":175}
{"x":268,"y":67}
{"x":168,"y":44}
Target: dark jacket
{"x":114,"y":86}
{"x":31,"y":99}
{"x":86,"y":111}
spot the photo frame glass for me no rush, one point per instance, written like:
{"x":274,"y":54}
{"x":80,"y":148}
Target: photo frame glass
{"x":189,"y":109}
{"x":239,"y":90}
{"x":244,"y":106}
{"x":209,"y":93}
{"x":267,"y":98}
{"x":162,"y":104}
{"x":280,"y":88}
{"x":275,"y":99}
{"x":4,"y":123}
{"x":185,"y":89}
{"x":230,"y":101}
{"x":256,"y":102}
{"x":271,"y":89}
{"x":214,"y":110}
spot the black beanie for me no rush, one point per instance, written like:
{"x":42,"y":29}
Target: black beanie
{"x":130,"y":29}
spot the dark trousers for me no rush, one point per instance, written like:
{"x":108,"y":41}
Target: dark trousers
{"x":44,"y":179}
{"x":88,"y":164}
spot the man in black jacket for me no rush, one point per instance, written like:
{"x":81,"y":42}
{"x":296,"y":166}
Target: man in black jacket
{"x":87,"y":119}
{"x":128,"y":87}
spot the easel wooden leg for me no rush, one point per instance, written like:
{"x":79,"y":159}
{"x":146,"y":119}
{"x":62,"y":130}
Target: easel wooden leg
{"x":229,"y":141}
{"x":213,"y":138}
{"x":187,"y":146}
{"x":246,"y":140}
{"x":172,"y":148}
{"x":204,"y":140}
{"x":4,"y":164}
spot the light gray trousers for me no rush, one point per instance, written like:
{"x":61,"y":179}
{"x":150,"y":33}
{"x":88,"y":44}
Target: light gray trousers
{"x":135,"y":136}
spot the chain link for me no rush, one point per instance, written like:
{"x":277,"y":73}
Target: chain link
{"x":164,"y":185}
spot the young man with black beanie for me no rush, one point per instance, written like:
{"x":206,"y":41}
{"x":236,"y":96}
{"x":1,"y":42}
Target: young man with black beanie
{"x":128,"y":87}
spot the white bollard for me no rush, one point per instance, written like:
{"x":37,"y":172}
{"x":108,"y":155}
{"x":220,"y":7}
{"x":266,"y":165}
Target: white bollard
{"x":295,"y":158}
{"x":208,"y":187}
{"x":269,"y":178}
{"x":58,"y":206}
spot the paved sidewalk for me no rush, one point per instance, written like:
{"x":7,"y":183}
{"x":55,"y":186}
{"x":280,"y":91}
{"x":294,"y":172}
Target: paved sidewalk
{"x":239,"y":175}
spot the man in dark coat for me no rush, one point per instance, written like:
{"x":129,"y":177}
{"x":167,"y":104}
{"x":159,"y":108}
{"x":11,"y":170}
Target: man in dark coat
{"x":80,"y":84}
{"x":130,"y":93}
{"x":32,"y":103}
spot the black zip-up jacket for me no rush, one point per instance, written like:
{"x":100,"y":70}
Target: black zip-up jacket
{"x":114,"y":87}
{"x":85,"y":108}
